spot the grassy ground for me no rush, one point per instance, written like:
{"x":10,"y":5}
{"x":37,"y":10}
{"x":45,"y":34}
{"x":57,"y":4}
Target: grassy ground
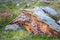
{"x":23,"y":35}
{"x":20,"y":34}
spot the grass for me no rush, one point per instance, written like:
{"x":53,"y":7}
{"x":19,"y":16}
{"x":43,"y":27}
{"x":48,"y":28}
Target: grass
{"x":23,"y":35}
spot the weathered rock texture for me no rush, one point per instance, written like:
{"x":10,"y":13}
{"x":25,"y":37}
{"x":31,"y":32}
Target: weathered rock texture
{"x":37,"y":22}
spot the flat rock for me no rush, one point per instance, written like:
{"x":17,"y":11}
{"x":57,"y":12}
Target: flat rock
{"x":12,"y":27}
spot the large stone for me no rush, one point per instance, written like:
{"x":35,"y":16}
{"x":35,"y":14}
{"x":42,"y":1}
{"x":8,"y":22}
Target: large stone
{"x":42,"y":23}
{"x":36,"y":21}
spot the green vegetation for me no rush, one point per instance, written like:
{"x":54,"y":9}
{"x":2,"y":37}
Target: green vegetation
{"x":38,"y":3}
{"x":56,"y":5}
{"x":23,"y":35}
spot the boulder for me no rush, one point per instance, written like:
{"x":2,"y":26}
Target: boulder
{"x":41,"y":24}
{"x":36,"y":21}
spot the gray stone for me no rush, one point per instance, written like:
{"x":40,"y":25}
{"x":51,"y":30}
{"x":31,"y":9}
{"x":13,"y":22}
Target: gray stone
{"x":12,"y":27}
{"x":46,"y":19}
{"x":49,"y":10}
